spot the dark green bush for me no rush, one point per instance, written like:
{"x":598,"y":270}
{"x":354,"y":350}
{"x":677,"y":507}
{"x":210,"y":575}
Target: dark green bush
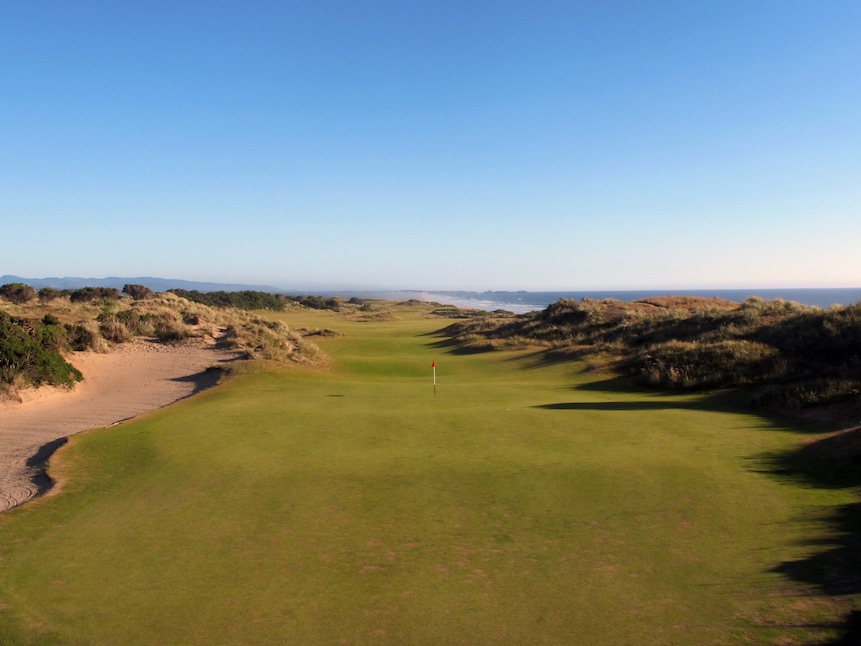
{"x":51,"y":334}
{"x":48,"y":294}
{"x":79,"y":337}
{"x":17,"y":293}
{"x":244,"y":300}
{"x":321,"y":302}
{"x":29,"y":354}
{"x":138,"y":292}
{"x":90,"y":294}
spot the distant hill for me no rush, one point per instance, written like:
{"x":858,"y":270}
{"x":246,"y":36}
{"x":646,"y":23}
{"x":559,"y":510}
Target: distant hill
{"x":155,"y":284}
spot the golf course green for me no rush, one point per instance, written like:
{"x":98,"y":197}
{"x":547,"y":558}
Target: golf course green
{"x":523,"y":501}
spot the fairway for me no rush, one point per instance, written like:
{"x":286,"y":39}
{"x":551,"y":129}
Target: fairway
{"x":523,"y":502}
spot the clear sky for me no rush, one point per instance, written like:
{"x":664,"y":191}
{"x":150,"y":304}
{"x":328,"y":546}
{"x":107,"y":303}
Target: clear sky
{"x":434,"y":145}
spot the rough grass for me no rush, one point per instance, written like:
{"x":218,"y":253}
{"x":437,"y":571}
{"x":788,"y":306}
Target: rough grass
{"x":169,"y":318}
{"x":796,"y":357}
{"x":526,"y":502}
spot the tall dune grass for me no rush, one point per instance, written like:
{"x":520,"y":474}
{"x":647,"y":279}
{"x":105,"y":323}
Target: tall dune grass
{"x":798,"y":357}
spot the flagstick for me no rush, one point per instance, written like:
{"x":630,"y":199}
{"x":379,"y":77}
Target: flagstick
{"x":433,"y":365}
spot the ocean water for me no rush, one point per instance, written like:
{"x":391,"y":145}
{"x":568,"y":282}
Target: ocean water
{"x":522,"y":302}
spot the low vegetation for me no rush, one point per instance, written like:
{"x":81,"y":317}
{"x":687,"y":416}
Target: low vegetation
{"x":792,"y":356}
{"x":17,"y":293}
{"x":243,"y":300}
{"x":31,"y":353}
{"x":39,"y":331}
{"x":256,"y":300}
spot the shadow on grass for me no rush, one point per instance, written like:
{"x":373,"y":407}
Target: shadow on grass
{"x":450,"y":346}
{"x":834,"y":566}
{"x":831,"y":462}
{"x":620,"y":406}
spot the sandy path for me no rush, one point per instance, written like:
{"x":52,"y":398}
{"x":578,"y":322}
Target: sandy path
{"x":134,"y":378}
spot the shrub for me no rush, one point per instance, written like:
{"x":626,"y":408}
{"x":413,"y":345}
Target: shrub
{"x":48,"y":294}
{"x":51,"y":335}
{"x":79,"y":337}
{"x":137,"y":292}
{"x":680,"y":364}
{"x":114,"y":330}
{"x":808,"y":393}
{"x":30,"y":349}
{"x":17,"y":293}
{"x":90,"y":294}
{"x":26,"y":357}
{"x":245,"y":300}
{"x":169,"y":331}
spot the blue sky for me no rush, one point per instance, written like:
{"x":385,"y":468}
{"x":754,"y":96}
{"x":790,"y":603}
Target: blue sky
{"x":445,"y":145}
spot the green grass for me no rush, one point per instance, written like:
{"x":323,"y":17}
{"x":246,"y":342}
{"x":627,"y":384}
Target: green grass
{"x":525,"y":503}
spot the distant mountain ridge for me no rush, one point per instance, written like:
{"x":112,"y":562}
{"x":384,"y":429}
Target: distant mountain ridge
{"x":155,"y":284}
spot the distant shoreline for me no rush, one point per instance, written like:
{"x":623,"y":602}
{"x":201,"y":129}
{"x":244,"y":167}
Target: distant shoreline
{"x":521,"y":302}
{"x":518,"y":302}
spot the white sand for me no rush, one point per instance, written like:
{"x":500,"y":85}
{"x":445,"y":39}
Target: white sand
{"x":132,"y":379}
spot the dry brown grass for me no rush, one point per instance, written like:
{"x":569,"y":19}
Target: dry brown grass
{"x":169,"y":318}
{"x":797,"y":357}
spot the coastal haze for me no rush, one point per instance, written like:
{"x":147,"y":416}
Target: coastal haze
{"x":518,"y":302}
{"x":522,"y":302}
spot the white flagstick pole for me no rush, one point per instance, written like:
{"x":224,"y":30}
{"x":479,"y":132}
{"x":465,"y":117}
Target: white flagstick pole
{"x":433,"y":365}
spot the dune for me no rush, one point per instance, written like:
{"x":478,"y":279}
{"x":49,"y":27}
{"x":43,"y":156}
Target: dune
{"x":132,"y":379}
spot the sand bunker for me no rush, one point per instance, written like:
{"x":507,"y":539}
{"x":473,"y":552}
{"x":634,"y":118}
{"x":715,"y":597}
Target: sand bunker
{"x":134,"y":378}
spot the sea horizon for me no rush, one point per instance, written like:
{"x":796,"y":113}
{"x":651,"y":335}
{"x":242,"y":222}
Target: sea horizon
{"x":516,"y":301}
{"x":521,"y":302}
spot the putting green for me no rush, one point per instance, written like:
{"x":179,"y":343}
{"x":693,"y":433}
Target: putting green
{"x":525,"y":502}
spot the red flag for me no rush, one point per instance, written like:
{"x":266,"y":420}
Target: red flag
{"x":433,"y":364}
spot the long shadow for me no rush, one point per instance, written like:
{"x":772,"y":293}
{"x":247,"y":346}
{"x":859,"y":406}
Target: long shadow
{"x":452,"y":347}
{"x":202,"y":380}
{"x":834,"y":567}
{"x":620,"y":406}
{"x":721,"y":400}
{"x":39,"y":460}
{"x":851,"y":631}
{"x":729,"y":399}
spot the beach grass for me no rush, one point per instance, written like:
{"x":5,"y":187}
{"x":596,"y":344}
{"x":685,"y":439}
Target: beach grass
{"x":523,"y":502}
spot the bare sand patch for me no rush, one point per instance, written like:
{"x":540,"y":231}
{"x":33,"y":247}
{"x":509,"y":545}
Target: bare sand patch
{"x":134,"y":378}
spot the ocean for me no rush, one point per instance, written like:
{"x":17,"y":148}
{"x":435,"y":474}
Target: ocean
{"x":521,"y":302}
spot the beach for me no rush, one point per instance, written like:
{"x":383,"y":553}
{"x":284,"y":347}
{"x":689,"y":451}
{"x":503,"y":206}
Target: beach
{"x":132,"y":379}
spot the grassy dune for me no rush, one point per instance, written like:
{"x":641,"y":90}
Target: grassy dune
{"x":526,"y":502}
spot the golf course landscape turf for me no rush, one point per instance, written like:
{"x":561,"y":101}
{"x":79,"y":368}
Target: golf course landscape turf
{"x":525,"y":501}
